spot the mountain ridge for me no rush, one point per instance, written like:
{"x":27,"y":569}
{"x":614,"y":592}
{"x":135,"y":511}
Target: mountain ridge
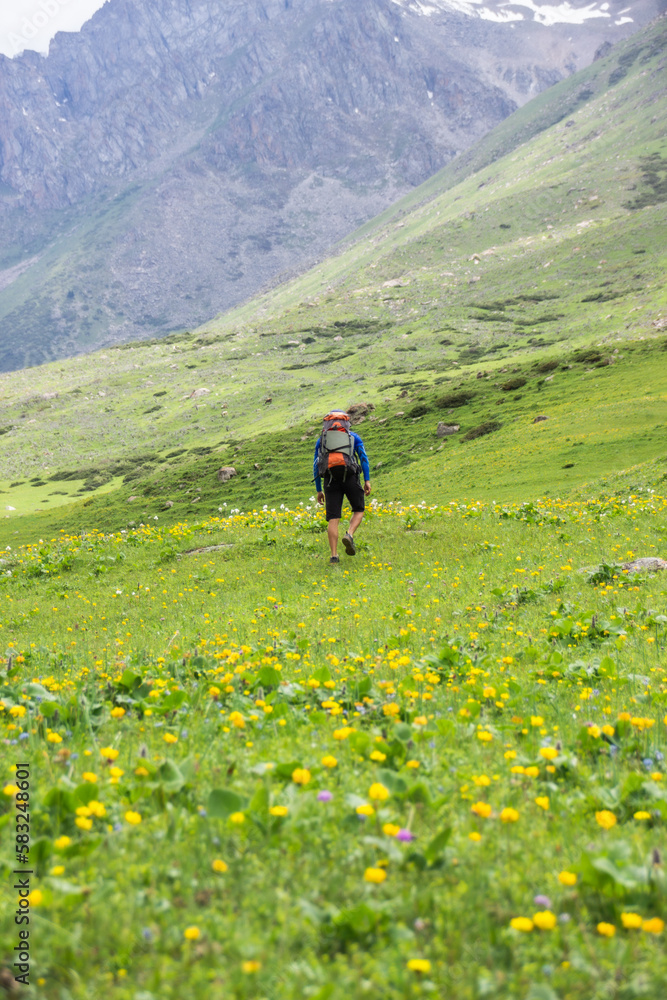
{"x":245,"y":181}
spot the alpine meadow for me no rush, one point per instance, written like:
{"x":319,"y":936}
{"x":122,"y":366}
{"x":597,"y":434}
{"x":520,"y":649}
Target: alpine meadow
{"x":436,"y":769}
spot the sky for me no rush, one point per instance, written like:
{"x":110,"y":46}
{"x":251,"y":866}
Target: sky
{"x":31,"y":24}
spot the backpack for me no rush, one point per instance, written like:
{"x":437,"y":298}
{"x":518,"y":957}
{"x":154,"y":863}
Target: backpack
{"x":337,"y":444}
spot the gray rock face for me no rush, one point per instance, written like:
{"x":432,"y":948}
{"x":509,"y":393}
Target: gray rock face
{"x":226,"y":473}
{"x":174,"y":156}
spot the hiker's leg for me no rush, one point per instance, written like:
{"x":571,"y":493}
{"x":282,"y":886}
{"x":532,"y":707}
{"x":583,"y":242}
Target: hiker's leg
{"x":332,"y":532}
{"x":356,"y":520}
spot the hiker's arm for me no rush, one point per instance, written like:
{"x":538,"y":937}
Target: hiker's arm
{"x":363,"y":458}
{"x":316,"y":472}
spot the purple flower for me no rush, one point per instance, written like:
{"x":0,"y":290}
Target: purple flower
{"x":324,"y":796}
{"x":405,"y":836}
{"x":542,"y":901}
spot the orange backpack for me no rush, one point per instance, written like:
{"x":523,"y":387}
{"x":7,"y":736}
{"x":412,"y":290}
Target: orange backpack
{"x":337,"y":444}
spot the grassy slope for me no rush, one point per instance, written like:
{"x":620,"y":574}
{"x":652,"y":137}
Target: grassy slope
{"x":513,"y":254}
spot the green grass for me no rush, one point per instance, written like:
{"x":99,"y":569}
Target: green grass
{"x":436,"y":664}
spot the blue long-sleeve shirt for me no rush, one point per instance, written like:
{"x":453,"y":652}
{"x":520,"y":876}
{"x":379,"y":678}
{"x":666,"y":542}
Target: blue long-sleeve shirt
{"x":359,"y":452}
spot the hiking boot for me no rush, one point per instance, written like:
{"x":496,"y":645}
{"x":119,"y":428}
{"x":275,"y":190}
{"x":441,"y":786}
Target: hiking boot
{"x":348,"y":542}
{"x":334,"y":560}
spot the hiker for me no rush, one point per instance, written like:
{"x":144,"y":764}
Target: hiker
{"x":335,"y":462}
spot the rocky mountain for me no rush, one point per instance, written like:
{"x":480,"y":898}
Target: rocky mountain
{"x":176,"y":155}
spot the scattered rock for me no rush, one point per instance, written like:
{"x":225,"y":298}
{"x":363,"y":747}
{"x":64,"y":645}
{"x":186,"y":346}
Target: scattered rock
{"x":647,"y":564}
{"x":198,"y":392}
{"x":132,"y":498}
{"x":258,"y":466}
{"x":480,"y":375}
{"x":539,"y":419}
{"x":167,"y":504}
{"x":443,"y":430}
{"x":226,"y":473}
{"x":359,"y":409}
{"x":394,"y":283}
{"x":401,"y":413}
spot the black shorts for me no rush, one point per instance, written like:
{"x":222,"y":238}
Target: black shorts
{"x":336,"y":487}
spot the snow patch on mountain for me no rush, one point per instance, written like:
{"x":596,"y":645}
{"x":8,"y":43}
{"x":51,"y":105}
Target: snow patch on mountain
{"x":514,"y":10}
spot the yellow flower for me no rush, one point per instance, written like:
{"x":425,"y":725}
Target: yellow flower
{"x":375,"y":875}
{"x":116,"y":773}
{"x":509,"y":754}
{"x":365,"y":810}
{"x":412,"y":764}
{"x":475,"y":836}
{"x":62,"y":842}
{"x":532,"y":771}
{"x":191,"y":933}
{"x":57,"y":870}
{"x":278,"y":810}
{"x":608,"y":730}
{"x":141,"y":772}
{"x":631,"y":921}
{"x":301,"y":776}
{"x":605,"y":819}
{"x":54,"y":738}
{"x":378,"y":792}
{"x":481,"y":809}
{"x":237,"y":720}
{"x":567,"y":878}
{"x":509,"y":815}
{"x":390,"y":829}
{"x":654,"y":926}
{"x":218,"y":865}
{"x":421,"y":720}
{"x":419,"y":965}
{"x":89,"y":776}
{"x":489,"y":692}
{"x":342,"y":734}
{"x":606,"y":930}
{"x":549,"y":753}
{"x":536,"y":720}
{"x":329,"y":761}
{"x":97,"y":809}
{"x":642,"y":815}
{"x":237,"y":818}
{"x":17,"y":711}
{"x":35,"y":897}
{"x":170,"y":738}
{"x":83,"y":822}
{"x":524,"y":924}
{"x":542,"y":801}
{"x":10,"y":789}
{"x":481,"y":780}
{"x":545,"y":920}
{"x":109,"y":753}
{"x":484,"y":736}
{"x":117,"y":712}
{"x":132,"y":817}
{"x":251,"y":966}
{"x":378,"y":756}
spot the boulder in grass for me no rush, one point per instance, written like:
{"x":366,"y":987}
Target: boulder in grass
{"x":647,"y":564}
{"x":539,"y":419}
{"x":226,"y":473}
{"x":443,"y":430}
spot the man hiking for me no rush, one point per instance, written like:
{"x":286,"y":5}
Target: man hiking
{"x":336,"y":467}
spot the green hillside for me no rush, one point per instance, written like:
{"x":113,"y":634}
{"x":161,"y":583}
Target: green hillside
{"x":546,"y":239}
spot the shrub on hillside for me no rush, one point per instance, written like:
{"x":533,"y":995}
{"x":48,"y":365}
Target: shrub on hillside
{"x":547,"y":366}
{"x":514,"y":383}
{"x":451,"y":400}
{"x":486,"y":428}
